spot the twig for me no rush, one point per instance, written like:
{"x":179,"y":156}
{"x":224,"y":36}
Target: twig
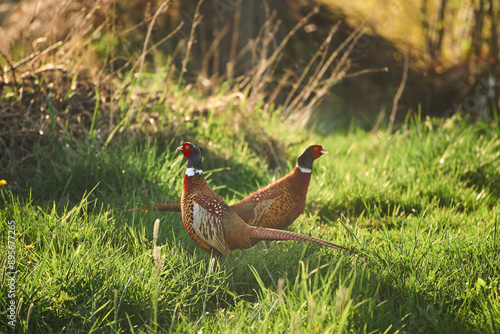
{"x":366,"y":71}
{"x":401,"y":88}
{"x":379,"y":120}
{"x":154,"y":46}
{"x":196,"y":21}
{"x":211,"y":50}
{"x":148,"y":34}
{"x":314,"y":80}
{"x":277,"y":51}
{"x":5,"y":79}
{"x":46,"y":68}
{"x":37,"y":54}
{"x":322,"y":52}
{"x":230,"y":67}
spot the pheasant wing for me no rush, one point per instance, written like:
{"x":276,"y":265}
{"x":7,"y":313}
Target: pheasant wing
{"x":260,"y":202}
{"x":207,"y":223}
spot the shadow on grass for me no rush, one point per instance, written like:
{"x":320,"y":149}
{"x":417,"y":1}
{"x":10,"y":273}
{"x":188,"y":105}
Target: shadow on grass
{"x":387,"y":210}
{"x":484,"y":177}
{"x":377,"y":207}
{"x":124,"y":175}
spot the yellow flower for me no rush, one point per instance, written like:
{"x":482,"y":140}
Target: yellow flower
{"x":3,"y":183}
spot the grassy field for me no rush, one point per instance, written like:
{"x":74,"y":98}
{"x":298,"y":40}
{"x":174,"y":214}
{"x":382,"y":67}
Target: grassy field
{"x":422,"y":204}
{"x":81,"y":141}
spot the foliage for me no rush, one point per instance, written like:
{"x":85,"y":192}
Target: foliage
{"x":82,"y":144}
{"x":444,"y":32}
{"x":421,"y":203}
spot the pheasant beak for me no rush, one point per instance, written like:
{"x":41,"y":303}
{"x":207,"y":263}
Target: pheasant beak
{"x":324,"y":151}
{"x":179,"y":148}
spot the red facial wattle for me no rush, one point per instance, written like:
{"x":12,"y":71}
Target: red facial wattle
{"x":316,"y":152}
{"x":186,"y":148}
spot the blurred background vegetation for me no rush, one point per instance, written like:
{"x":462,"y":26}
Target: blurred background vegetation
{"x":327,"y":64}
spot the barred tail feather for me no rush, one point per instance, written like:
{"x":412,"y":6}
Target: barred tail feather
{"x":261,"y":233}
{"x":156,"y":207}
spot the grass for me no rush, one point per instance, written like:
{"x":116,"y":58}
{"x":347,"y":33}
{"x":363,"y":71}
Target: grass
{"x":83,"y":144}
{"x":421,"y":203}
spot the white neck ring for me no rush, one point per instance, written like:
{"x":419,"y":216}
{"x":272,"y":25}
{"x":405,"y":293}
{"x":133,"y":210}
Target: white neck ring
{"x":305,"y":170}
{"x":191,"y":171}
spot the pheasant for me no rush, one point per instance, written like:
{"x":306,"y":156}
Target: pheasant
{"x":276,"y":205}
{"x":213,"y":225}
{"x":280,"y":203}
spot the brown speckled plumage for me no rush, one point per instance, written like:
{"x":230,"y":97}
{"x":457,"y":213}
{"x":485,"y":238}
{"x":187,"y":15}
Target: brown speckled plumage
{"x":196,"y":190}
{"x":276,"y":205}
{"x":213,"y":225}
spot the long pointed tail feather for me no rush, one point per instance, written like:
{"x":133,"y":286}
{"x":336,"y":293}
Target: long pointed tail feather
{"x":261,"y":233}
{"x":156,"y":207}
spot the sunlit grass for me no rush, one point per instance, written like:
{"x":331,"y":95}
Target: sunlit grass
{"x":422,"y":204}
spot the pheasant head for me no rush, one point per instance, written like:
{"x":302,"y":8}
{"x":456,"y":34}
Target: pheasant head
{"x":305,"y":160}
{"x":193,"y":154}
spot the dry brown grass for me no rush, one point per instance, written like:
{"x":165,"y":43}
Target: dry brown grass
{"x":43,"y":95}
{"x":66,"y":85}
{"x":56,"y":89}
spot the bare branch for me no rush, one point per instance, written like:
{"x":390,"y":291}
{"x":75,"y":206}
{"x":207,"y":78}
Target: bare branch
{"x":401,"y":88}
